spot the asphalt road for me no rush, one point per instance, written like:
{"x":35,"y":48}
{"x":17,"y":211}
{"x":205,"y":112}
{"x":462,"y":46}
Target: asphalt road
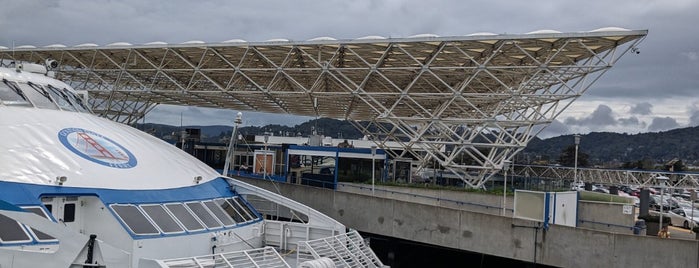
{"x":681,"y":233}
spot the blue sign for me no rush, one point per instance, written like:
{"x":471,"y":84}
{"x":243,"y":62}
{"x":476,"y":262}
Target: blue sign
{"x":96,"y":148}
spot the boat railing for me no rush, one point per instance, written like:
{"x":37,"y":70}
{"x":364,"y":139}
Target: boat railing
{"x":259,"y":257}
{"x":345,"y":250}
{"x":289,"y":235}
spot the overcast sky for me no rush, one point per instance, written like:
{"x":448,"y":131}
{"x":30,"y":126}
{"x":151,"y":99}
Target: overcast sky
{"x":653,"y":91}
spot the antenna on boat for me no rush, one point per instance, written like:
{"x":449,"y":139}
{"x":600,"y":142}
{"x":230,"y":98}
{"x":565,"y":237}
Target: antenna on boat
{"x":231,"y":144}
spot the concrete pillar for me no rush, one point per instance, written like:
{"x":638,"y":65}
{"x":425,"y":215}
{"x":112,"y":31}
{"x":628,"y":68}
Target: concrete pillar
{"x":644,"y":202}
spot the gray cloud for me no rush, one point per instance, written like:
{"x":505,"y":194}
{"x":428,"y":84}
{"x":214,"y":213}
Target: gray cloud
{"x":662,"y":124}
{"x":189,"y":116}
{"x":643,"y":108}
{"x":631,"y":121}
{"x":602,"y":116}
{"x":556,"y":128}
{"x":694,"y":118}
{"x":667,"y":66}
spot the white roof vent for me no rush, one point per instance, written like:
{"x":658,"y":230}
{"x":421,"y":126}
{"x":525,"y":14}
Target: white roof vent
{"x":278,"y":40}
{"x":193,"y":42}
{"x":427,"y":35}
{"x":56,"y":46}
{"x":235,"y":41}
{"x":26,"y":46}
{"x":544,"y":32}
{"x":370,"y":37}
{"x":610,"y":29}
{"x":482,"y":34}
{"x":119,"y":44}
{"x":322,"y":38}
{"x":156,"y":43}
{"x":87,"y":45}
{"x":2,"y":47}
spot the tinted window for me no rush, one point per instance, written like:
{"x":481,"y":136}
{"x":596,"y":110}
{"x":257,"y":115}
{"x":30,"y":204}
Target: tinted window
{"x":11,"y":95}
{"x":134,"y":219}
{"x":12,"y":231}
{"x":39,"y":235}
{"x":244,"y":207}
{"x":230,"y":210}
{"x":161,"y":218}
{"x":38,"y":96}
{"x":69,"y":213}
{"x":60,"y":98}
{"x":205,"y":217}
{"x":187,"y":219}
{"x":219,"y":213}
{"x":76,"y":101}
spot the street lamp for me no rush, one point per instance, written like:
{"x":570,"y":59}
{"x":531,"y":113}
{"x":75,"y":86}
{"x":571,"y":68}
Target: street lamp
{"x":373,"y":167}
{"x":575,"y":169}
{"x":505,"y":167}
{"x":662,"y":180}
{"x":264,"y":168}
{"x":231,"y":144}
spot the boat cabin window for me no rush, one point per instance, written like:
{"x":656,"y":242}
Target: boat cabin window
{"x":163,"y":219}
{"x":135,"y":220}
{"x":60,"y":98}
{"x":185,"y":217}
{"x":10,"y":94}
{"x":219,"y":213}
{"x":38,"y":96}
{"x":230,"y":210}
{"x":76,"y":101}
{"x":69,"y":212}
{"x":203,"y":214}
{"x":12,"y":232}
{"x":245,"y":210}
{"x":192,"y":216}
{"x":42,"y":237}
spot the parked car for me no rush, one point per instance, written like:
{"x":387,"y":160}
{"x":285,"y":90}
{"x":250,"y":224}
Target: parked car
{"x":654,"y":203}
{"x":684,"y":217}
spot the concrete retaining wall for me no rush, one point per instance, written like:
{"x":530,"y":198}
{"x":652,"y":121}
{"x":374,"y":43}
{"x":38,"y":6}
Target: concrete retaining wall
{"x":604,"y":216}
{"x":493,"y":234}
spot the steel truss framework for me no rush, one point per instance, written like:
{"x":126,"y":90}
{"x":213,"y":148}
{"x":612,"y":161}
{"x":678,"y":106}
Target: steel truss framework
{"x":476,"y":97}
{"x":642,"y":178}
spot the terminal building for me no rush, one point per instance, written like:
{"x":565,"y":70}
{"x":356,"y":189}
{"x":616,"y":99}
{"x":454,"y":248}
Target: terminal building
{"x":314,"y":160}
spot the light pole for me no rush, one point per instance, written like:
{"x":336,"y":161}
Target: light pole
{"x":662,"y":180}
{"x":505,"y":167}
{"x":373,"y":167}
{"x":230,"y":155}
{"x":264,"y":168}
{"x":575,"y":169}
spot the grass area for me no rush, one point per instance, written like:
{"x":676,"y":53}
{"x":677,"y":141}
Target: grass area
{"x":602,"y":197}
{"x":584,"y":195}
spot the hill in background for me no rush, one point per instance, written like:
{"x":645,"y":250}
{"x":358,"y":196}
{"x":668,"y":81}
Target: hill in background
{"x":602,"y":148}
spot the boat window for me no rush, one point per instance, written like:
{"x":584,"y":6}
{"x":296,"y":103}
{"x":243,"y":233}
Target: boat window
{"x":185,"y":217}
{"x":230,"y":210}
{"x":69,"y":212}
{"x":161,"y":218}
{"x":198,"y":209}
{"x":219,"y":213}
{"x":134,"y":219}
{"x":11,"y":231}
{"x":241,"y":204}
{"x":10,"y":94}
{"x":60,"y":98}
{"x":38,"y":96}
{"x":77,"y":101}
{"x":38,"y":234}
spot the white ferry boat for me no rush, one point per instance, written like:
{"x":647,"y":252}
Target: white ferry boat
{"x":78,"y":190}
